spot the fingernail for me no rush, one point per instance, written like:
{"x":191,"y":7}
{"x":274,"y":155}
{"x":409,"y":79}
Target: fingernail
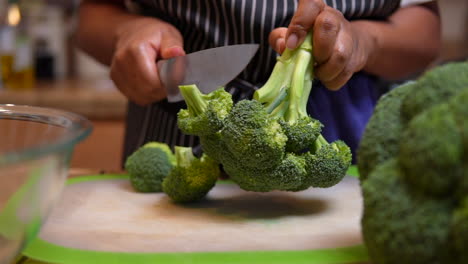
{"x":292,"y":41}
{"x":278,"y":45}
{"x":177,"y":51}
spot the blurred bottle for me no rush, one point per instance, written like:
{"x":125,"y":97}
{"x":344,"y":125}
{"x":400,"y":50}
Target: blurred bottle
{"x":7,"y":50}
{"x":44,"y":60}
{"x":23,"y":75}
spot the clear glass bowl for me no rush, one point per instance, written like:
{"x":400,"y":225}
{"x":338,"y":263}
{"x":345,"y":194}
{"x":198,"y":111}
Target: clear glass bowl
{"x":36,"y":145}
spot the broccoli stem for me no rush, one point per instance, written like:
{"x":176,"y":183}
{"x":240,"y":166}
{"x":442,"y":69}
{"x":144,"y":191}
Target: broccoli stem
{"x":184,"y":156}
{"x":319,"y":143}
{"x":196,"y":101}
{"x":287,"y":91}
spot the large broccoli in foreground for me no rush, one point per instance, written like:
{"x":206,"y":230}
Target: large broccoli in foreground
{"x":413,"y":163}
{"x":149,"y":165}
{"x":270,"y":142}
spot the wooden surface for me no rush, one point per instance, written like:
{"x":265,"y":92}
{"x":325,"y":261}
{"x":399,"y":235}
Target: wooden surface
{"x":95,"y":99}
{"x":108,"y":215}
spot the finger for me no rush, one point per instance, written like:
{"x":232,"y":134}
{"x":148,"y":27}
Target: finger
{"x":277,"y":39}
{"x":171,"y":45}
{"x":341,"y":55}
{"x":340,"y":80}
{"x":134,"y":71}
{"x":326,"y":29}
{"x":303,"y":21}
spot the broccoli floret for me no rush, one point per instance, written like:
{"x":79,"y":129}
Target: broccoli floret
{"x":263,"y":143}
{"x":435,"y":86}
{"x":328,"y":165}
{"x":205,"y":113}
{"x":149,"y":165}
{"x":192,"y":178}
{"x":430,"y":146}
{"x":255,"y":139}
{"x":382,"y":134}
{"x":213,"y":146}
{"x":400,"y":225}
{"x":302,"y":134}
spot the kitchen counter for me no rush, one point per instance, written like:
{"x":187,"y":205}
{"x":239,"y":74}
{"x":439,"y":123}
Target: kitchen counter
{"x":95,"y":99}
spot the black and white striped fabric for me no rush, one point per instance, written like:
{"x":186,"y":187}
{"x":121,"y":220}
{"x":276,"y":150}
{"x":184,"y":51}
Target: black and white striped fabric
{"x":212,"y":23}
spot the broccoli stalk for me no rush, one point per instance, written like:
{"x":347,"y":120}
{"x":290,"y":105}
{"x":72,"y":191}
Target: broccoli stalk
{"x":197,"y":103}
{"x":291,"y":75}
{"x":286,"y":93}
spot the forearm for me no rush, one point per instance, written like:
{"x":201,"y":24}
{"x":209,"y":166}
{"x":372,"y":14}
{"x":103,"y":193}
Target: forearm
{"x":100,"y":23}
{"x":404,"y":44}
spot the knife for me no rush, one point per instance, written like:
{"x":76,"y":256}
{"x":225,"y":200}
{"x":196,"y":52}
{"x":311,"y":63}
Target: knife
{"x":208,"y":69}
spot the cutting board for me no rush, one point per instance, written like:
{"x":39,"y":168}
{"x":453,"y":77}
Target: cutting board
{"x":103,"y":216}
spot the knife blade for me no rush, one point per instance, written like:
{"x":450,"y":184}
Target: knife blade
{"x":208,"y":69}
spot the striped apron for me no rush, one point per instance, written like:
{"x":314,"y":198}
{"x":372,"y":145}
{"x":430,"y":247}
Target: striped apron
{"x":212,"y":23}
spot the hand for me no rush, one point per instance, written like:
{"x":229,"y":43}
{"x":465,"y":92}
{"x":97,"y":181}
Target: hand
{"x":140,"y":43}
{"x":339,"y":47}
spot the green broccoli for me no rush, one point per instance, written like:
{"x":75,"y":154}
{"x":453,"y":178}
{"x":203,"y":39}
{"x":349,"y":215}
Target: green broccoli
{"x":460,"y":231}
{"x":415,"y":195}
{"x":268,"y":143}
{"x":434,"y":87}
{"x":430,"y":146}
{"x":255,"y":139}
{"x":205,"y":113}
{"x":192,"y":178}
{"x":329,"y":163}
{"x":149,"y":165}
{"x":401,"y":225}
{"x":382,"y":134}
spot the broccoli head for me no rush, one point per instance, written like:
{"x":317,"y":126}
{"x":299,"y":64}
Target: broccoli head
{"x":415,"y":196}
{"x":192,"y":178}
{"x":149,"y":165}
{"x":268,"y":143}
{"x":205,"y":113}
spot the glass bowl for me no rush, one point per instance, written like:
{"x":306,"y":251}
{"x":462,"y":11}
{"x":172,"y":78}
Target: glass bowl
{"x":36,"y":145}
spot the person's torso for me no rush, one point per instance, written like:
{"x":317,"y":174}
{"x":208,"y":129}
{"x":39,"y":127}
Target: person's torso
{"x":213,"y":23}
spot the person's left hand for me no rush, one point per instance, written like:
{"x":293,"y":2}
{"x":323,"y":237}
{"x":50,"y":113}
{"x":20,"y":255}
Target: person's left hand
{"x":340,"y":48}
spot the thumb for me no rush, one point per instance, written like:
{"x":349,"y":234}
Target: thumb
{"x":303,"y":21}
{"x":171,"y":46}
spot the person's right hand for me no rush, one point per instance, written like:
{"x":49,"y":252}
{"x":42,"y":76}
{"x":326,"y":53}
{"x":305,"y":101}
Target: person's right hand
{"x":139,"y":44}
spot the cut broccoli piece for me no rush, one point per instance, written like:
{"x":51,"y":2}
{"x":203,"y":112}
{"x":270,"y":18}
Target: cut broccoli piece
{"x":192,"y":178}
{"x":149,"y":165}
{"x":400,"y":225}
{"x":382,"y":134}
{"x":205,"y":113}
